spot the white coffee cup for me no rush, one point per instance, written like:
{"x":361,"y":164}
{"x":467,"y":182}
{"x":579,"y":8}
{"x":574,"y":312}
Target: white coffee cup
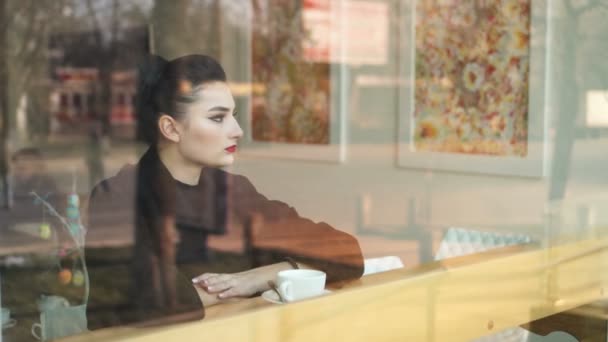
{"x":46,"y":304}
{"x":38,"y":331}
{"x":300,"y":284}
{"x":7,"y":321}
{"x":51,"y":302}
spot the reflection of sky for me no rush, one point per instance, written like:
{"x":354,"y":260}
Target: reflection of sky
{"x":103,"y":8}
{"x":103,"y":12}
{"x":236,"y":13}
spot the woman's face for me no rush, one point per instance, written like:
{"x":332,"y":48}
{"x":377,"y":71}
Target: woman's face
{"x":209,"y":131}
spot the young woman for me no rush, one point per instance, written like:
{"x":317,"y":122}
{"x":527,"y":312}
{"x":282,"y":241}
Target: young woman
{"x":178,"y":192}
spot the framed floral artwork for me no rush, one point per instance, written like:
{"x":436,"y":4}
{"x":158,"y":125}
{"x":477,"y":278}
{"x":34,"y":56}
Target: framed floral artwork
{"x":476,"y":99}
{"x":296,"y":104}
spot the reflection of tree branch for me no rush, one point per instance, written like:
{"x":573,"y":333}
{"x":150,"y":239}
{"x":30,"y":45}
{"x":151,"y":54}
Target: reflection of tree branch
{"x":4,"y":117}
{"x":95,"y":20}
{"x":30,"y":44}
{"x":140,"y":11}
{"x":28,"y":34}
{"x":27,"y":74}
{"x":5,"y":23}
{"x":114,"y":29}
{"x":104,"y":65}
{"x":32,"y":47}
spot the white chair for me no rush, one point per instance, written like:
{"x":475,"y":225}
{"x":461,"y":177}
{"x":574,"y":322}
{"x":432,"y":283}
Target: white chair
{"x":460,"y":241}
{"x":382,"y":264}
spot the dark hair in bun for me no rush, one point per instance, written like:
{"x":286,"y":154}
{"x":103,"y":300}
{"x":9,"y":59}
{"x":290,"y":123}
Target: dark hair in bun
{"x":164,"y":85}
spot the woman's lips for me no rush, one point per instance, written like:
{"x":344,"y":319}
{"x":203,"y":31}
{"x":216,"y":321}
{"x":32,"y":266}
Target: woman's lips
{"x":231,"y":149}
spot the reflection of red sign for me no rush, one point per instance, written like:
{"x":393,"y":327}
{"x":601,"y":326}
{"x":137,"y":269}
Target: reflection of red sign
{"x":73,"y":74}
{"x":340,"y":31}
{"x":122,"y":114}
{"x":124,"y":77}
{"x":319,"y":4}
{"x":316,"y":17}
{"x":75,"y":97}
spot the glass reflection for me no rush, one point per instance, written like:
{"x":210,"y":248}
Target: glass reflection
{"x":304,"y":75}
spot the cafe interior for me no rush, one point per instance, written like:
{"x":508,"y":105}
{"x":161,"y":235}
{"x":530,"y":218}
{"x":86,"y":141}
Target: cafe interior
{"x":423,"y":170}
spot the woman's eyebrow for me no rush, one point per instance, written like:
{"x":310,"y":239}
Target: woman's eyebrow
{"x":219,"y":109}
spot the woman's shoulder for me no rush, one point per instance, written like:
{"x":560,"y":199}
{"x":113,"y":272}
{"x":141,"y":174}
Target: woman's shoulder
{"x":234,"y":181}
{"x":123,"y":181}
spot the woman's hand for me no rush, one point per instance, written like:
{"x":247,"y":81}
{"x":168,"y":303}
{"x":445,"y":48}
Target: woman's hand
{"x":241,"y":284}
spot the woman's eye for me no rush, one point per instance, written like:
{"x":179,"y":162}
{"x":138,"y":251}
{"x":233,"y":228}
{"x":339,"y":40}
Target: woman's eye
{"x":217,"y":118}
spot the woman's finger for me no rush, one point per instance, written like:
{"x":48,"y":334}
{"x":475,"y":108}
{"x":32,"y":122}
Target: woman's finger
{"x":220,"y":278}
{"x":204,"y":277}
{"x":232,"y":292}
{"x":224,"y":285}
{"x":214,"y":283}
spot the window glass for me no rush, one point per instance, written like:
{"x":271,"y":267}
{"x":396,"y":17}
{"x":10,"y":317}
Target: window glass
{"x":156,"y":154}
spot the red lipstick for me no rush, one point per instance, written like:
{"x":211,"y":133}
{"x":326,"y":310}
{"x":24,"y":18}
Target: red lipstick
{"x":231,"y":149}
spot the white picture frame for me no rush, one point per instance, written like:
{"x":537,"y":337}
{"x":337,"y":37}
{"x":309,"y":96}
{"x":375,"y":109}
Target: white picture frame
{"x":534,"y":163}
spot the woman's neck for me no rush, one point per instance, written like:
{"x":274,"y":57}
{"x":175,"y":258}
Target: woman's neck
{"x":180,"y":169}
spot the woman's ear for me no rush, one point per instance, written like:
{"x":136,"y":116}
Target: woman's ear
{"x":168,"y":128}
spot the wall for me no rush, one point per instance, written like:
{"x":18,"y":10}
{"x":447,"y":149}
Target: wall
{"x":329,"y":192}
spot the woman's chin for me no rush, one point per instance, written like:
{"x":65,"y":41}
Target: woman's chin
{"x":226,"y":161}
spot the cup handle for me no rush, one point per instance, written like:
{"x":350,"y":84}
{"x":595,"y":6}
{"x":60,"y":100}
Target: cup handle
{"x":286,"y":290}
{"x":36,"y":326}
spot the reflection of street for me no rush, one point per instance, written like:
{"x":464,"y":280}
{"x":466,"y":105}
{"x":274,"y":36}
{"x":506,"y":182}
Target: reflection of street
{"x":20,"y":227}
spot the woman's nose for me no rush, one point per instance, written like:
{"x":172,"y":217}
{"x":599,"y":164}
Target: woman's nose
{"x":236,"y":131}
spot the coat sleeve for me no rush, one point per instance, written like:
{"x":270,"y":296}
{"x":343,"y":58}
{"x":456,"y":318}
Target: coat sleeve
{"x":276,"y":231}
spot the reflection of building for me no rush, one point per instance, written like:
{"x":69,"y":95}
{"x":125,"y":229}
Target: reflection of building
{"x":80,"y":63}
{"x":72,"y":95}
{"x":123,"y":97}
{"x":76,"y":92}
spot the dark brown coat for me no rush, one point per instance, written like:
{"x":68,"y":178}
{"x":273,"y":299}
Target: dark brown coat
{"x":157,"y":209}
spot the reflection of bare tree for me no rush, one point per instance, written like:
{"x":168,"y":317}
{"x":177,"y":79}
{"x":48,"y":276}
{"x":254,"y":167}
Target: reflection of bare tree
{"x":168,"y":21}
{"x":100,"y":123}
{"x":104,"y":65}
{"x":4,"y":105}
{"x":292,"y":102}
{"x":568,"y":82}
{"x":187,"y":26}
{"x":24,"y":29}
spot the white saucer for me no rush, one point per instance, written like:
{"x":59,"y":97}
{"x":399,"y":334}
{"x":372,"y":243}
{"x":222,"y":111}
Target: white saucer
{"x":11,"y":323}
{"x":272,"y":296}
